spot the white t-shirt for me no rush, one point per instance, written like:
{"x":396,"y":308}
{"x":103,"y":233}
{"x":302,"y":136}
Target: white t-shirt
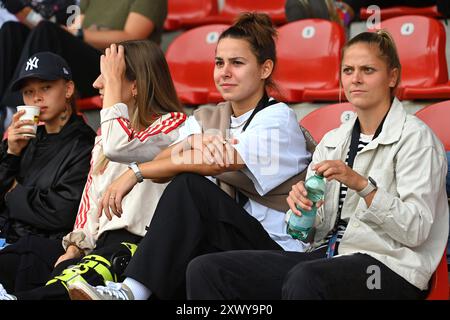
{"x":274,"y":150}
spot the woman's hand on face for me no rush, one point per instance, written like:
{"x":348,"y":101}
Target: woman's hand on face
{"x":16,"y":139}
{"x":112,"y":63}
{"x":113,"y":196}
{"x":339,"y":171}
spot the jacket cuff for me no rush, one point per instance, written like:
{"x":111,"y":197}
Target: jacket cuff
{"x":119,"y":110}
{"x":12,"y":161}
{"x":377,"y":212}
{"x":77,"y":238}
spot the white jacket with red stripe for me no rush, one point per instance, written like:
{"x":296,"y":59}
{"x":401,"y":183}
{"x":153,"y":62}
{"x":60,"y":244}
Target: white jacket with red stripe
{"x":122,"y":145}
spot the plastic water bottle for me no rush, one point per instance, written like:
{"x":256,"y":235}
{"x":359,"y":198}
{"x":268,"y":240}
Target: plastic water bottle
{"x":299,"y":226}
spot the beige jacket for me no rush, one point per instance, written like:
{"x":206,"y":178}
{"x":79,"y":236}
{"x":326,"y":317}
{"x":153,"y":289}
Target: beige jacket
{"x":406,"y":226}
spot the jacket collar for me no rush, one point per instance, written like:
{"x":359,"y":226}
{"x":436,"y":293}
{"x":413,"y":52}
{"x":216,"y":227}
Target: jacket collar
{"x":391,"y":132}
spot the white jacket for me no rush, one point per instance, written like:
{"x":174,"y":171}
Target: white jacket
{"x":122,"y":145}
{"x":406,"y":225}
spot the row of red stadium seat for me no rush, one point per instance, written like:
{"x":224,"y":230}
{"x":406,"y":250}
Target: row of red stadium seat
{"x":309,"y":53}
{"x":392,"y":12}
{"x":323,"y":119}
{"x":188,"y":14}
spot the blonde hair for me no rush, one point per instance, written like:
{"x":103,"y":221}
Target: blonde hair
{"x":146,"y":64}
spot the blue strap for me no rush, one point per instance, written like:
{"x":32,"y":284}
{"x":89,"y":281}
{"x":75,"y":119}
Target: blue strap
{"x":2,"y":243}
{"x":332,"y":246}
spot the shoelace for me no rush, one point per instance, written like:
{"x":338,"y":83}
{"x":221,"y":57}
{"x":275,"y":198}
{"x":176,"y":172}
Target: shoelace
{"x":114,"y":290}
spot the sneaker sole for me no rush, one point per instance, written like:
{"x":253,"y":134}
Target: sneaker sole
{"x":79,"y":294}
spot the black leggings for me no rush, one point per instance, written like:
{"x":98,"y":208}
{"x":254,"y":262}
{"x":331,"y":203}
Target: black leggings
{"x":294,"y":275}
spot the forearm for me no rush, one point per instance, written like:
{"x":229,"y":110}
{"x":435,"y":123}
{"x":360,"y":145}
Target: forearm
{"x":103,"y":39}
{"x":175,"y":149}
{"x":9,"y":168}
{"x":187,"y":161}
{"x":112,"y":94}
{"x":74,"y":251}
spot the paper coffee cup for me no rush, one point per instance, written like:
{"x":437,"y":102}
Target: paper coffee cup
{"x":31,"y":113}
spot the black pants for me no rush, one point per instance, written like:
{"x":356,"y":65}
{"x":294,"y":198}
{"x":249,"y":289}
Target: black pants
{"x":193,"y":217}
{"x":13,"y":36}
{"x":17,"y":44}
{"x":294,"y":275}
{"x":28,"y":263}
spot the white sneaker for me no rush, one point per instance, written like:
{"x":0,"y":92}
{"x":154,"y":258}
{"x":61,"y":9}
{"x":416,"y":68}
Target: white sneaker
{"x":5,"y":295}
{"x":112,"y":291}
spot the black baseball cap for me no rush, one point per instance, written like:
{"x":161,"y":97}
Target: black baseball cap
{"x":44,"y":66}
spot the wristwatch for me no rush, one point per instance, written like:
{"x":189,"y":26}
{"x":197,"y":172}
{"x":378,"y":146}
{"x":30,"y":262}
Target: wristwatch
{"x":371,"y":185}
{"x":134,"y":166}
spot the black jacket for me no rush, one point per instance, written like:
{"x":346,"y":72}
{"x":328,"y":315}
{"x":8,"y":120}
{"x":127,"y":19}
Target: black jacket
{"x":50,"y":174}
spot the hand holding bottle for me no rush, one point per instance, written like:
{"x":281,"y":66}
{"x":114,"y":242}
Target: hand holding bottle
{"x":298,"y":199}
{"x":309,"y":196}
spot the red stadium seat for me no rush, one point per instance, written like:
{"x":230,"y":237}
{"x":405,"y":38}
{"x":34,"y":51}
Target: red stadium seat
{"x":309,"y":53}
{"x":187,"y":14}
{"x":92,"y":103}
{"x":324,"y":119}
{"x":274,"y":8}
{"x":421,"y":46}
{"x":437,"y":117}
{"x":392,"y":12}
{"x":191,"y":62}
{"x":439,"y":287}
{"x":232,"y":8}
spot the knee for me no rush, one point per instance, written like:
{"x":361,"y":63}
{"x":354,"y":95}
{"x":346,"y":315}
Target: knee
{"x":198,"y":276}
{"x":44,"y":27}
{"x":187,"y":181}
{"x":11,"y":26}
{"x":300,"y":283}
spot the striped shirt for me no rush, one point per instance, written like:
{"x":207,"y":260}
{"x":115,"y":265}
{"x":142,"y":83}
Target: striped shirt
{"x":341,"y":224}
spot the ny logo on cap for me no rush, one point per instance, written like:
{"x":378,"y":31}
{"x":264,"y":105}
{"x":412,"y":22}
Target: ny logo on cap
{"x":32,"y":63}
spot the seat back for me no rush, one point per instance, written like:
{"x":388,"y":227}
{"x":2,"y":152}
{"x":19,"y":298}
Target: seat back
{"x":191,"y":62}
{"x":91,"y":103}
{"x":324,"y":119}
{"x":274,"y":8}
{"x":182,"y":13}
{"x":309,"y":54}
{"x":437,"y":117}
{"x":387,"y":13}
{"x":420,"y":43}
